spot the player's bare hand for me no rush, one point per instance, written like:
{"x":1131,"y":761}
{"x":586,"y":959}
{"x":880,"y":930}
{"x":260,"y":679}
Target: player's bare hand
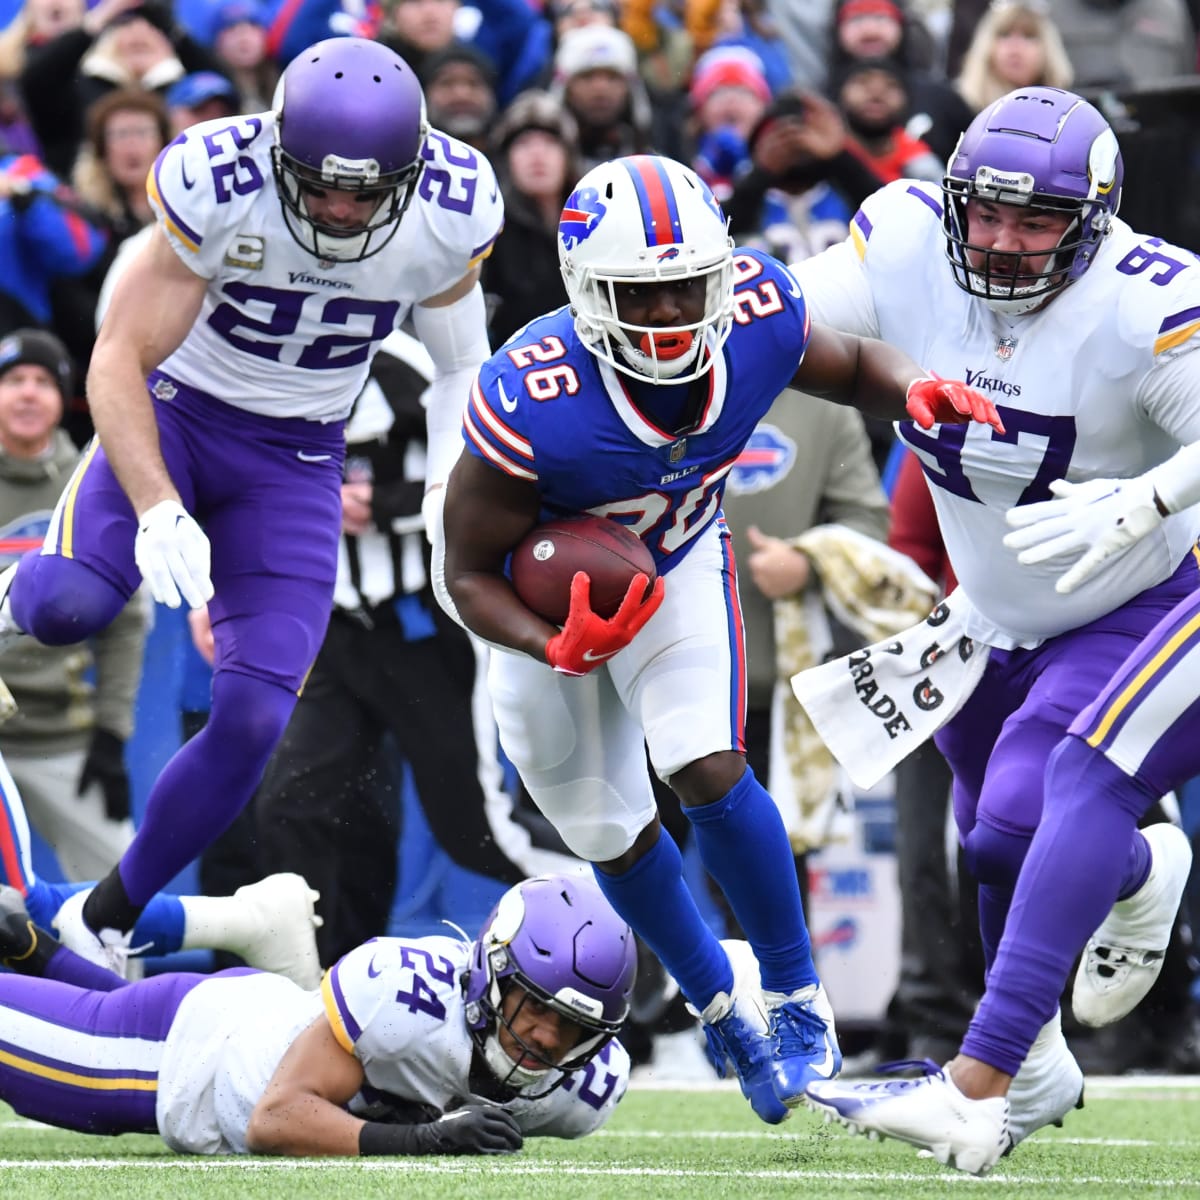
{"x":174,"y":556}
{"x":356,"y":508}
{"x":777,"y":567}
{"x":200,"y":627}
{"x":930,"y":401}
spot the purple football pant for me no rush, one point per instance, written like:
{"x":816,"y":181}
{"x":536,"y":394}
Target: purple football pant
{"x":1131,"y":743}
{"x":268,"y":493}
{"x":87,"y":1060}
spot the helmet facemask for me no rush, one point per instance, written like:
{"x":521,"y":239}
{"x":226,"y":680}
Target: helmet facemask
{"x":1005,"y":280}
{"x":393,"y":193}
{"x":661,"y":354}
{"x":595,"y":1031}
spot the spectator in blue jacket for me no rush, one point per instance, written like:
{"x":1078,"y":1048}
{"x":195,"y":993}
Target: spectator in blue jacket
{"x":44,"y":236}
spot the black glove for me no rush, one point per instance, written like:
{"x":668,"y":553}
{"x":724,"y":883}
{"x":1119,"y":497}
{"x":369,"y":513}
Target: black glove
{"x":472,"y":1129}
{"x":476,"y":1129}
{"x":105,"y":765}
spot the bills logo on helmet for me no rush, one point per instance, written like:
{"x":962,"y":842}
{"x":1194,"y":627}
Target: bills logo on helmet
{"x":670,"y":252}
{"x":767,"y":458}
{"x":580,"y":216}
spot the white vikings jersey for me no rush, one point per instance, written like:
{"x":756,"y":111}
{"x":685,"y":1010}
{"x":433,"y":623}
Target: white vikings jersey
{"x":281,"y":332}
{"x":395,"y":1004}
{"x":1103,"y":382}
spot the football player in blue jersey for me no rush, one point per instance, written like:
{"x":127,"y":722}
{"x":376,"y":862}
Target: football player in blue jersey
{"x":1073,"y":540}
{"x":634,"y":403}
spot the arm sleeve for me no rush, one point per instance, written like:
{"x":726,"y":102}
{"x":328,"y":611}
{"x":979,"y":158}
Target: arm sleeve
{"x":838,"y":291}
{"x":456,"y":337}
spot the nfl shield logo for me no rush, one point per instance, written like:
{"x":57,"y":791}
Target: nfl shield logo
{"x":1005,"y":347}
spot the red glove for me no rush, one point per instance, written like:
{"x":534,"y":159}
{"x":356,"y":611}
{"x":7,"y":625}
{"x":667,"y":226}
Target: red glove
{"x":587,"y":640}
{"x":931,"y":400}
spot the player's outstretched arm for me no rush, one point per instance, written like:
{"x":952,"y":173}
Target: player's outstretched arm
{"x":882,"y":381}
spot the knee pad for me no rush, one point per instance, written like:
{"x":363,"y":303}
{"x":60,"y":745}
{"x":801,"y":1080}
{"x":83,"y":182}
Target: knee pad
{"x":60,"y":601}
{"x":590,"y":817}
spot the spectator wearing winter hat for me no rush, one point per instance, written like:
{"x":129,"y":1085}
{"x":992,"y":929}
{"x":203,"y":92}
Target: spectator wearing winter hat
{"x":728,"y":95}
{"x":240,"y":41}
{"x":882,"y":29}
{"x":534,"y":149}
{"x":203,"y":96}
{"x":65,"y":745}
{"x":460,"y":93}
{"x":595,"y":71}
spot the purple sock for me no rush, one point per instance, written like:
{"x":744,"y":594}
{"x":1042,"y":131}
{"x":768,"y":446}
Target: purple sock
{"x":208,"y":781}
{"x":745,"y":848}
{"x":1085,"y":854}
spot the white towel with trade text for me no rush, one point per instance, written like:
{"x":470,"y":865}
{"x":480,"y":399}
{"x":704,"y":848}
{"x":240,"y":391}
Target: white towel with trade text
{"x":874,"y":707}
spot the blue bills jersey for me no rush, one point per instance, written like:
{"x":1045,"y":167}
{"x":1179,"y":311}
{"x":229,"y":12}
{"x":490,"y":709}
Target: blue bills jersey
{"x":545,"y":409}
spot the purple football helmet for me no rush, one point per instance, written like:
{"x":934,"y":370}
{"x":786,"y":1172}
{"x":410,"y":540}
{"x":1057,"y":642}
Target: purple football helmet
{"x":1040,"y":148}
{"x":556,"y":937}
{"x":349,"y":116}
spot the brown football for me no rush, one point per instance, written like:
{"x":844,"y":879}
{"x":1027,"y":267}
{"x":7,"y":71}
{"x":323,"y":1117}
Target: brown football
{"x":547,"y":558}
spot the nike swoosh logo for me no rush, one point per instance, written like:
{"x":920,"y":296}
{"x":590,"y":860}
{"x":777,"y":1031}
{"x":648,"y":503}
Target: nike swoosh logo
{"x":793,"y":285}
{"x":312,"y":457}
{"x":592,"y":656}
{"x":373,"y":972}
{"x":495,"y":192}
{"x":187,"y":183}
{"x":505,"y":403}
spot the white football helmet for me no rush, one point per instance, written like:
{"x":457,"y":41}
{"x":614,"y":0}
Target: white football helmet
{"x":644,"y":219}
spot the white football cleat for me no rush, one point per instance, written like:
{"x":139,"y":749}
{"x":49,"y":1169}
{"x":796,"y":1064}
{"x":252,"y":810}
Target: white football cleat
{"x":279,"y":933}
{"x":1048,"y":1085}
{"x":108,"y":948}
{"x":929,"y":1113}
{"x":1124,"y":956}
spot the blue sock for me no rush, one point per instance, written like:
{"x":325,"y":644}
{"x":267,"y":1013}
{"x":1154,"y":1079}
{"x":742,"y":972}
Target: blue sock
{"x":159,"y":928}
{"x":653,"y":898}
{"x":745,"y":848}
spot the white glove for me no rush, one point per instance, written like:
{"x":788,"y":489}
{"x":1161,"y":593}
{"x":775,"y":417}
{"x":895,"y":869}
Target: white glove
{"x":1098,"y":520}
{"x":173,"y":555}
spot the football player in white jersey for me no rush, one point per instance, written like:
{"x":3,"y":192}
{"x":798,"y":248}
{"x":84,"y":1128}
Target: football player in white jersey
{"x":1085,"y":333}
{"x":634,"y":402}
{"x":288,"y":245}
{"x":410,"y":1046}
